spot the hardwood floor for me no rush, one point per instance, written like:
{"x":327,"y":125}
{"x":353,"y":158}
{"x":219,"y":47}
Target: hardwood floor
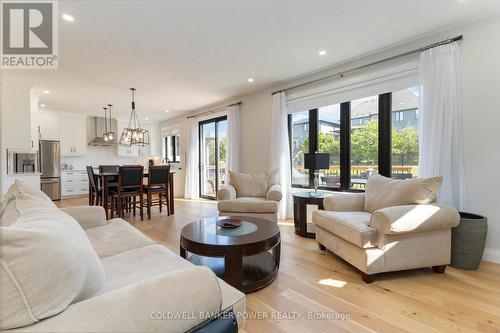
{"x":317,"y":282}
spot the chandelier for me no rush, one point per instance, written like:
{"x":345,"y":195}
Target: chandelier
{"x":111,"y":134}
{"x":134,"y":135}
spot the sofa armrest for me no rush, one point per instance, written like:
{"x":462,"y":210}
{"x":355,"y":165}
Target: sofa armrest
{"x":274,"y":193}
{"x":414,"y":218}
{"x":87,"y":216}
{"x":172,"y":302}
{"x":228,"y":192}
{"x":344,"y":202}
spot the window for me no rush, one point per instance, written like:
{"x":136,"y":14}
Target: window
{"x":172,"y":150}
{"x":405,"y":133}
{"x":364,"y":140}
{"x":372,"y":134}
{"x":329,"y":142}
{"x":298,"y":126}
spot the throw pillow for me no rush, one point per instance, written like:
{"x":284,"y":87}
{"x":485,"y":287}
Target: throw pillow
{"x":382,"y":192}
{"x":252,"y":185}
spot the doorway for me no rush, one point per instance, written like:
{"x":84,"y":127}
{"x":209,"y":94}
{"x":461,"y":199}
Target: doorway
{"x":213,"y":155}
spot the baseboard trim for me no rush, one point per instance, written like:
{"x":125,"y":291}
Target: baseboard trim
{"x":492,"y":255}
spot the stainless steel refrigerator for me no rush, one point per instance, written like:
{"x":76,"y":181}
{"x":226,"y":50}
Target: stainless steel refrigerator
{"x":50,"y":167}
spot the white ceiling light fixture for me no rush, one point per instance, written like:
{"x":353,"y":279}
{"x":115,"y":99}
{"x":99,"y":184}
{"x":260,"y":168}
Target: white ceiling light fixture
{"x":146,"y":118}
{"x":43,"y":105}
{"x":68,"y":17}
{"x":322,"y":52}
{"x":250,"y":80}
{"x":46,"y":92}
{"x":167,"y":111}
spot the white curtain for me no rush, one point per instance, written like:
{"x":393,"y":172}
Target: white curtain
{"x":191,"y":190}
{"x":233,"y":140}
{"x":440,"y":123}
{"x":279,"y":154}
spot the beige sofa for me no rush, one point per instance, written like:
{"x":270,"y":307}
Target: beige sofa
{"x":70,"y":270}
{"x":255,"y":195}
{"x":395,"y":225}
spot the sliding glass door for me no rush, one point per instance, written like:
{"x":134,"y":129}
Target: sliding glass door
{"x":213,"y":144}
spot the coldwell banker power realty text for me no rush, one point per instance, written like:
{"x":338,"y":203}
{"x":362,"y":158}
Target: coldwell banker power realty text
{"x":29,"y":35}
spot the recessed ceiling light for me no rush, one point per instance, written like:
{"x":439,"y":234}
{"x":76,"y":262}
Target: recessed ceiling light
{"x":43,"y":105}
{"x":250,"y":80}
{"x":46,"y":92}
{"x":146,"y":118}
{"x":167,"y":111}
{"x":322,"y":52}
{"x":68,"y":17}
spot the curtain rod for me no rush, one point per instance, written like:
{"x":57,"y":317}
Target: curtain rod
{"x":212,"y":111}
{"x":341,"y":74}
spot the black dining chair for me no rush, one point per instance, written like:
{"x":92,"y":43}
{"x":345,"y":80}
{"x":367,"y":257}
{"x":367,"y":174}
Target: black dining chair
{"x":157,"y":184}
{"x":95,"y":192}
{"x":129,"y":188}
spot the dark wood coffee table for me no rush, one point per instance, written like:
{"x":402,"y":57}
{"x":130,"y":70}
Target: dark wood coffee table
{"x":241,"y":256}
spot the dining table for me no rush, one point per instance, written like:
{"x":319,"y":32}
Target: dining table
{"x":104,"y":178}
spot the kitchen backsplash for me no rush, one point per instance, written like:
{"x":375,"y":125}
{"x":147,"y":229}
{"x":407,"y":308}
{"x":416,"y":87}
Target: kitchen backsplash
{"x":100,"y":155}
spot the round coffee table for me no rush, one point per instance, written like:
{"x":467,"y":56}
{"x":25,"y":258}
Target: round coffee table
{"x":246,"y":257}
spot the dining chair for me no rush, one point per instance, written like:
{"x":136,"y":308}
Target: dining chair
{"x":130,"y":187}
{"x":95,"y":192}
{"x":157,"y":183}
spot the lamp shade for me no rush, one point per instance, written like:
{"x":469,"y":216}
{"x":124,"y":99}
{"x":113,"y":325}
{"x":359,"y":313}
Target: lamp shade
{"x":316,"y":161}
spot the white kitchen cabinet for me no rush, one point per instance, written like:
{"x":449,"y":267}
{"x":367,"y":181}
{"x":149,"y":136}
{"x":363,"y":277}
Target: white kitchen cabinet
{"x":74,"y":182}
{"x":48,"y":126}
{"x":125,"y":151}
{"x":73,"y":135}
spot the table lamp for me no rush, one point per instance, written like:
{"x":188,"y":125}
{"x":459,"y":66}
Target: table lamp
{"x":315,"y":162}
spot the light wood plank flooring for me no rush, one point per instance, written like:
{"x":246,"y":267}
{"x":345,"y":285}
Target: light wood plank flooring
{"x":314,"y":282}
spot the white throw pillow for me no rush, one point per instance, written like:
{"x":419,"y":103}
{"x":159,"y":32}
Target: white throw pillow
{"x":20,"y":187}
{"x":47,"y":264}
{"x":382,"y":192}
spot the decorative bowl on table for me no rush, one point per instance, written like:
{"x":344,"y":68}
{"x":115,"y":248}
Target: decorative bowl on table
{"x":229,"y":223}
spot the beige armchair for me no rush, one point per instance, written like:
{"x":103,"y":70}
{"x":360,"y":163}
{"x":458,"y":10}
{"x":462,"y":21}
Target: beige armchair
{"x":395,"y":225}
{"x":250,"y":195}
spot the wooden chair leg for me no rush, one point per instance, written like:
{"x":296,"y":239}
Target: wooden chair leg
{"x":148,"y":204}
{"x":135,"y":204}
{"x":167,"y":203}
{"x":159,"y":199}
{"x":367,"y":278}
{"x":439,"y":269}
{"x":141,"y":200}
{"x":112,"y":204}
{"x":321,"y":247}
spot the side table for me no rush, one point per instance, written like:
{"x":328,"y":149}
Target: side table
{"x":300,"y":202}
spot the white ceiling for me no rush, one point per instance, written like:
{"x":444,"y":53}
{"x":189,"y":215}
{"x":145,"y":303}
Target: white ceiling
{"x":185,"y":54}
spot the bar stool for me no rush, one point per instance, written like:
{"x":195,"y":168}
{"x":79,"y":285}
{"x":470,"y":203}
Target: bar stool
{"x":157,"y":184}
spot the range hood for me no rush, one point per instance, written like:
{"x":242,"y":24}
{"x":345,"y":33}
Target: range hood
{"x":95,"y":130}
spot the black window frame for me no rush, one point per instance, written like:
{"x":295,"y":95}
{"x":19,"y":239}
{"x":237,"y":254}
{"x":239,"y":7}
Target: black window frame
{"x":384,"y":142}
{"x":173,"y":147}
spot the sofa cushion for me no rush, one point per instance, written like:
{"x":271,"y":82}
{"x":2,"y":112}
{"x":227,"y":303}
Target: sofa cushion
{"x":351,"y":226}
{"x":248,"y":205}
{"x":382,"y":192}
{"x":116,"y":237}
{"x":252,"y":185}
{"x":8,"y":211}
{"x":47,"y":264}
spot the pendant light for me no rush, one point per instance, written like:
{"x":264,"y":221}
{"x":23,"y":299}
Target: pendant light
{"x":134,"y":135}
{"x":105,"y":134}
{"x":111,"y":134}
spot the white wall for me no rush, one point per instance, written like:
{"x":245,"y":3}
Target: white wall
{"x":480,"y":70}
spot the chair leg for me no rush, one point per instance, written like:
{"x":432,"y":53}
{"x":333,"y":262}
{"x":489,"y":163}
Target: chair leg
{"x":167,"y":203}
{"x":135,"y":203}
{"x":439,"y":269}
{"x":112,"y":205}
{"x":148,"y":204}
{"x":367,"y":278}
{"x":141,"y":205}
{"x":321,"y":247}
